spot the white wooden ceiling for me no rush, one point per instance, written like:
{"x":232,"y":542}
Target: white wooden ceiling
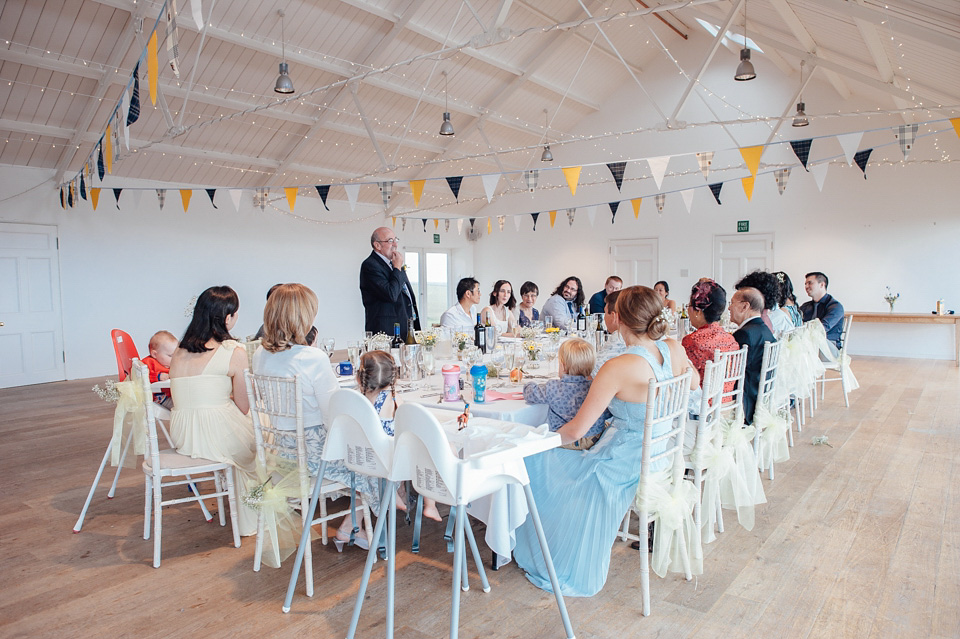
{"x":369,"y":81}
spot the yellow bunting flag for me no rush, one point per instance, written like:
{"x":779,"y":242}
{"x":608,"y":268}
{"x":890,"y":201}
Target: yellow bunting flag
{"x":416,"y":187}
{"x":185,"y":195}
{"x":572,"y":173}
{"x":489,"y":226}
{"x":553,"y":217}
{"x":751,"y":155}
{"x":436,"y":223}
{"x":291,"y":192}
{"x":956,"y":125}
{"x":747,"y":186}
{"x":152,"y":70}
{"x":394,"y":221}
{"x":636,"y":207}
{"x":95,"y":197}
{"x":108,"y":151}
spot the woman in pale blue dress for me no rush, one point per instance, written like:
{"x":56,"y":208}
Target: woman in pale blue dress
{"x":582,"y":496}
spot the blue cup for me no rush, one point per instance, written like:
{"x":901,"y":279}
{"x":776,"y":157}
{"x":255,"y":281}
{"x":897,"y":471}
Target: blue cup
{"x":344,"y":368}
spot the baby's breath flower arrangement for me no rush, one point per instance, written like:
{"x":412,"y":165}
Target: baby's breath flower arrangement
{"x":527,"y":332}
{"x":253,"y":498}
{"x":427,"y":338}
{"x":461,"y":340}
{"x":891,"y":298}
{"x":109,"y":392}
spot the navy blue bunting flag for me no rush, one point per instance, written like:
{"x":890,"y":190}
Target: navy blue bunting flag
{"x":802,"y":150}
{"x":101,"y":170}
{"x":70,"y":195}
{"x":454,"y":183}
{"x":472,"y":220}
{"x":534,"y":216}
{"x":617,"y":169}
{"x":323,"y":190}
{"x":613,"y":211}
{"x":133,"y":113}
{"x":210,"y":194}
{"x":861,"y":158}
{"x":83,"y":186}
{"x":715,"y":189}
{"x":116,"y":194}
{"x":424,"y":220}
{"x":63,"y":199}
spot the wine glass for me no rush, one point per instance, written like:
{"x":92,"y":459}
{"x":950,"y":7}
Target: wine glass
{"x":498,"y":358}
{"x":327,"y":344}
{"x":353,"y":353}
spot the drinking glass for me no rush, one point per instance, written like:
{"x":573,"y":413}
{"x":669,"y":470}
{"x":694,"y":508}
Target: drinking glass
{"x":498,"y":358}
{"x":353,"y":354}
{"x":327,"y":344}
{"x":428,"y":363}
{"x":548,"y":321}
{"x":510,"y":357}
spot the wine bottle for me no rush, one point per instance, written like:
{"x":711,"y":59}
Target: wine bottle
{"x":581,"y":320}
{"x":411,"y":338}
{"x":396,"y":343}
{"x":480,"y":335}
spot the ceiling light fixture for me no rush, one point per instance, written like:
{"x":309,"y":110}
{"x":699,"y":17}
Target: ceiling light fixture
{"x":284,"y":83}
{"x":447,"y":127}
{"x":745,"y":68}
{"x":800,"y":119}
{"x":546,"y":156}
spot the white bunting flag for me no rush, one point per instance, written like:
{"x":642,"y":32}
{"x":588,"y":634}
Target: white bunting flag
{"x":196,"y":11}
{"x":460,"y":226}
{"x":125,"y":110}
{"x":353,"y":190}
{"x":235,"y":195}
{"x":591,"y":213}
{"x":687,"y":196}
{"x":850,"y":142}
{"x":820,"y":173}
{"x":490,"y":182}
{"x":658,"y":168}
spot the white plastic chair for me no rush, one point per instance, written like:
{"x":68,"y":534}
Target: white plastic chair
{"x":356,"y":437}
{"x":272,"y":400}
{"x":666,"y":415}
{"x":767,"y":443}
{"x":166,"y":468}
{"x":707,"y":446}
{"x":423,"y":455}
{"x":837,"y":365}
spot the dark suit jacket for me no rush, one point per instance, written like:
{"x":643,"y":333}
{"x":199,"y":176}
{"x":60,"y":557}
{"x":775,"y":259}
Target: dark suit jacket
{"x":384,"y":302}
{"x":754,"y":333}
{"x":830,"y":313}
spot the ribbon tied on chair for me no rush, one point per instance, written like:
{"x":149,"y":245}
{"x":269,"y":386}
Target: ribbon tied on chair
{"x":717,"y":464}
{"x":741,"y":490}
{"x":671,"y":507}
{"x":128,"y":414}
{"x":772,"y":431}
{"x":269,"y":495}
{"x":850,"y":382}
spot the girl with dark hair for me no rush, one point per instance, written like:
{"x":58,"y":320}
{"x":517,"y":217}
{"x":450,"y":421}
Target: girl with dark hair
{"x":209,"y":418}
{"x":583,"y":495}
{"x":769,"y":287}
{"x":787,"y":300}
{"x":707,"y":303}
{"x":500,"y":311}
{"x":663,"y":290}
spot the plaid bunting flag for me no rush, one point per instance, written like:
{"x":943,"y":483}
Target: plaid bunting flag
{"x":705,"y":160}
{"x":782,"y":175}
{"x":424,"y":220}
{"x":534,"y":216}
{"x":473,"y":220}
{"x":571,"y":213}
{"x":70,"y":195}
{"x":173,"y":45}
{"x":802,"y":150}
{"x":907,"y":133}
{"x":446,"y":225}
{"x":532,"y":177}
{"x":83,"y":186}
{"x":403,"y":224}
{"x":660,"y":199}
{"x":386,"y":190}
{"x":210,"y":194}
{"x":116,"y":195}
{"x":323,"y":190}
{"x":715,"y":189}
{"x":861,"y":158}
{"x":161,"y":197}
{"x":501,"y":219}
{"x":454,"y":184}
{"x":613,"y":211}
{"x":617,"y":169}
{"x":100,"y":166}
{"x":133,"y":114}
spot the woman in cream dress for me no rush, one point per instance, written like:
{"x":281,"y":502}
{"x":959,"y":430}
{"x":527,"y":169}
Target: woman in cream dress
{"x":500,"y":311}
{"x":210,"y":417}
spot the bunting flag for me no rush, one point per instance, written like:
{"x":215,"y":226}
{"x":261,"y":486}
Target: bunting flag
{"x":516,"y":222}
{"x":323,"y":190}
{"x":660,"y":199}
{"x":849,"y":142}
{"x":501,"y":219}
{"x":63,"y":199}
{"x":956,"y":125}
{"x":83,"y":187}
{"x":473,"y":221}
{"x":403,"y":224}
{"x":173,"y":45}
{"x":715,"y":189}
{"x":490,"y":185}
{"x":613,"y":211}
{"x":861,"y":158}
{"x":291,"y":193}
{"x":820,"y":173}
{"x":95,"y":197}
{"x":125,"y":111}
{"x":460,"y":226}
{"x":416,"y":187}
{"x":133,"y":114}
{"x":262,"y":194}
{"x":572,"y":173}
{"x":393,"y":221}
{"x":454,"y":184}
{"x":535,"y":216}
{"x":235,"y":195}
{"x":161,"y":197}
{"x":489,"y":225}
{"x":616,"y":170}
{"x":436,"y":223}
{"x":906,"y":133}
{"x":591,"y":214}
{"x":152,"y":69}
{"x":705,"y":160}
{"x":658,"y":168}
{"x":531,"y":177}
{"x":751,"y":155}
{"x":636,"y":207}
{"x":687,"y":195}
{"x":116,"y":196}
{"x":108,"y":150}
{"x":386,"y":190}
{"x":186,"y":194}
{"x":782,"y":175}
{"x":424,"y":221}
{"x":571,"y":213}
{"x":353,"y":190}
{"x":747,"y":183}
{"x":553,"y":218}
{"x":195,"y":10}
{"x":70,"y":195}
{"x":212,"y":192}
{"x":801,"y":148}
{"x":446,"y":225}
{"x":89,"y":171}
{"x":100,"y":169}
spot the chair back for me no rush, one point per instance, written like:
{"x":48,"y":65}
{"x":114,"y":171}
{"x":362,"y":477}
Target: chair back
{"x":663,"y":427}
{"x":734,"y":366}
{"x":273,"y":401}
{"x":126,"y":352}
{"x":140,"y":376}
{"x":845,"y":334}
{"x":766,"y":394}
{"x":251,"y":347}
{"x":710,"y":402}
{"x":356,"y":436}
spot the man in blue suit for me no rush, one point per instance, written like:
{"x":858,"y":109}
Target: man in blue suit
{"x":387,"y":294}
{"x":745,"y":309}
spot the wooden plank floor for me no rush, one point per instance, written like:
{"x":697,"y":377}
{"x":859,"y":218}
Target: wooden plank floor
{"x":858,"y":540}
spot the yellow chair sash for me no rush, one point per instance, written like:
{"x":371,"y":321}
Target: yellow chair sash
{"x":671,"y":507}
{"x":773,"y":428}
{"x":741,"y":490}
{"x":268,"y":494}
{"x":128,"y":414}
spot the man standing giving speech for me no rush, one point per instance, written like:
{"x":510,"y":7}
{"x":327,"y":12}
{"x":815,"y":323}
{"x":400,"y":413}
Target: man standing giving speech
{"x":387,"y":295}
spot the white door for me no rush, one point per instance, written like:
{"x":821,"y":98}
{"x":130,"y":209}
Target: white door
{"x":31,"y":330}
{"x":636,"y":261}
{"x":736,"y":255}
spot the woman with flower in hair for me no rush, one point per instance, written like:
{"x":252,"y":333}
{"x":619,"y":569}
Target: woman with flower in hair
{"x":582,"y":496}
{"x":707,"y":303}
{"x":787,"y":301}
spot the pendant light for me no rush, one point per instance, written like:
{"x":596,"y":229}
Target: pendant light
{"x":546,"y":156}
{"x":745,"y":69}
{"x":800,"y":119}
{"x":284,"y":83}
{"x":447,"y":127}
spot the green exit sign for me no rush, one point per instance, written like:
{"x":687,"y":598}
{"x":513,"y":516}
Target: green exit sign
{"x":743,"y":226}
{"x":436,"y":238}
